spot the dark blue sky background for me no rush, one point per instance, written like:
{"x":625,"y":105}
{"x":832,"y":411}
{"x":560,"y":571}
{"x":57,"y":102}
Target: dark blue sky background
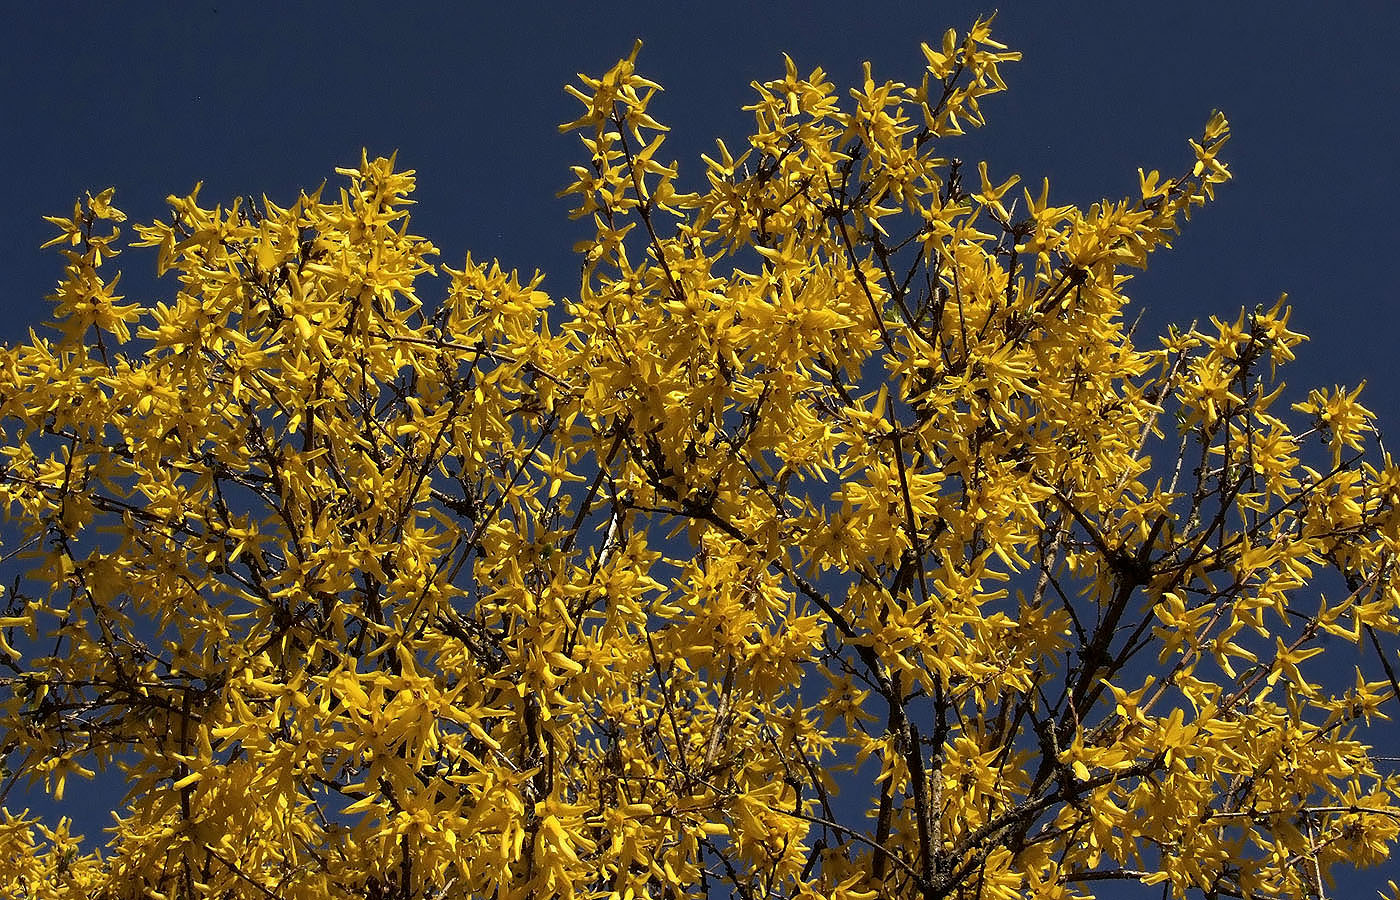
{"x":154,"y":97}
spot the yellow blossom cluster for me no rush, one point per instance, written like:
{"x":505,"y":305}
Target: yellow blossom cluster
{"x":836,"y":540}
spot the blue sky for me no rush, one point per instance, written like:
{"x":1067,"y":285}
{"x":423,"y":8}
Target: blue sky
{"x":152,"y":98}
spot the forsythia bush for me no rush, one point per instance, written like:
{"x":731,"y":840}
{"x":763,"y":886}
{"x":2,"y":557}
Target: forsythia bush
{"x":837,"y":540}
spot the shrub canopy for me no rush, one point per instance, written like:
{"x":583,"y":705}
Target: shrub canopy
{"x":836,"y":539}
